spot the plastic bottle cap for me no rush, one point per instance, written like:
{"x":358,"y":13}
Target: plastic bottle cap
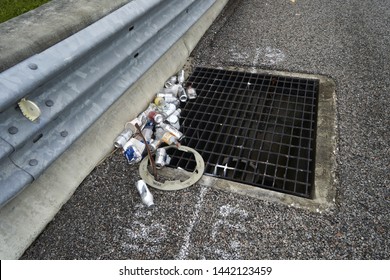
{"x":159,"y":101}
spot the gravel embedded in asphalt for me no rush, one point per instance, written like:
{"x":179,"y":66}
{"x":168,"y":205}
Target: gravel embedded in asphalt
{"x":348,"y":41}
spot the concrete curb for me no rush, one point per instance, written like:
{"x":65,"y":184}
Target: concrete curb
{"x":22,"y":220}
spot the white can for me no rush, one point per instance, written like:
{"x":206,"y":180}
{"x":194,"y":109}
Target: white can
{"x":146,"y":195}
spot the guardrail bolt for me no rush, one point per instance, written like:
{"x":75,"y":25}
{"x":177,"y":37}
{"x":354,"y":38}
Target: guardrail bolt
{"x":13,"y":130}
{"x":49,"y":103}
{"x":64,"y":133}
{"x":33,"y":66}
{"x":33,"y":162}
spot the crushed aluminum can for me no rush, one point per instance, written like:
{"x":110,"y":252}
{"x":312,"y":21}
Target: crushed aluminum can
{"x":146,"y":195}
{"x":170,"y":82}
{"x":132,"y":155}
{"x":173,"y":79}
{"x":182,"y":94}
{"x":159,"y":132}
{"x":154,"y":144}
{"x":165,"y":137}
{"x":151,"y":107}
{"x":143,"y":118}
{"x":160,"y":158}
{"x":177,"y":113}
{"x":167,"y":110}
{"x":180,"y":77}
{"x":159,"y":102}
{"x":163,"y":94}
{"x":147,"y":132}
{"x":176,"y":103}
{"x":174,"y":90}
{"x":174,"y":121}
{"x":168,"y":160}
{"x":122,"y":138}
{"x":162,"y":112}
{"x":133,"y":150}
{"x":130,"y":128}
{"x":159,"y":117}
{"x":191,"y":92}
{"x":171,"y":100}
{"x":169,"y":139}
{"x":152,"y":115}
{"x":169,"y":128}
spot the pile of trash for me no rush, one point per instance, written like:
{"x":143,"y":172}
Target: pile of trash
{"x":156,"y":127}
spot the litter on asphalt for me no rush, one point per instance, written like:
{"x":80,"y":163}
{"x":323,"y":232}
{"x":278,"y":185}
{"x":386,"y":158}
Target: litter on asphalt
{"x":160,"y":126}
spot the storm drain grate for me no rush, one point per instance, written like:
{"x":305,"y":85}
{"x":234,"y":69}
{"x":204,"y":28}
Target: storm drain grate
{"x":255,"y":129}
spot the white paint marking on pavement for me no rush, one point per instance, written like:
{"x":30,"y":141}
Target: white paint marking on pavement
{"x":228,"y":222}
{"x":225,"y":211}
{"x":138,"y":233}
{"x":185,"y":247}
{"x":273,"y":56}
{"x":238,"y":56}
{"x":256,"y":59}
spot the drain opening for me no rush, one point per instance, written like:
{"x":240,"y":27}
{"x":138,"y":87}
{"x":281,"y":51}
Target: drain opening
{"x":252,"y":128}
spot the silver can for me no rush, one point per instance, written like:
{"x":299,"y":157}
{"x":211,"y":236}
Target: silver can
{"x":160,"y":159}
{"x":182,"y":94}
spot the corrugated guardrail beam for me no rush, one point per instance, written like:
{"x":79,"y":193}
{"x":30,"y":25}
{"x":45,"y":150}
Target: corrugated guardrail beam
{"x":78,"y":79}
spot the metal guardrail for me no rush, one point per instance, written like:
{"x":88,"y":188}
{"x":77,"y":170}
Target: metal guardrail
{"x":75,"y":81}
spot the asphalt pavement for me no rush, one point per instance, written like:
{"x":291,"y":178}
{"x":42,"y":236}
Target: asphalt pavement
{"x":348,"y":41}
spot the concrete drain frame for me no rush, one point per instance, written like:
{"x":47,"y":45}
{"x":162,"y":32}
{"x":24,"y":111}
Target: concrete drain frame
{"x":322,"y":195}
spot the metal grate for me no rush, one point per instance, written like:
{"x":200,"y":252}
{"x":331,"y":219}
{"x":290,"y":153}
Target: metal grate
{"x":252,"y":128}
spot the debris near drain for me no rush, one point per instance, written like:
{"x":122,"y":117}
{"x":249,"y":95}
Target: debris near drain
{"x":146,"y":195}
{"x":174,"y":185}
{"x":159,"y":122}
{"x":162,"y":158}
{"x":156,"y":127}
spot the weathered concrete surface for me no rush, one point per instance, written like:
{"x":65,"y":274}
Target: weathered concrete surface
{"x":36,"y":30}
{"x":345,"y":40}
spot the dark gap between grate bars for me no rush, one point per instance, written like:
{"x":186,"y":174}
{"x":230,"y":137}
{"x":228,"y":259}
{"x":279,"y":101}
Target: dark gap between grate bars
{"x":251,"y":128}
